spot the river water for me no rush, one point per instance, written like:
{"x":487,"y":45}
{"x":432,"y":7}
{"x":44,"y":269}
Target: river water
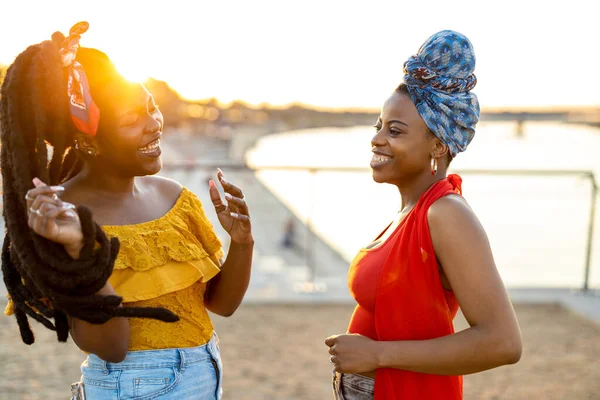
{"x":537,"y":225}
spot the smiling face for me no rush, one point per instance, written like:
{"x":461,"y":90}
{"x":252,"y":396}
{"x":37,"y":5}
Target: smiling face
{"x":402,"y":146}
{"x":129,"y":143}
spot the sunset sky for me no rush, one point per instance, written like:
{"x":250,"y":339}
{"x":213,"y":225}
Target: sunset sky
{"x":324,"y":52}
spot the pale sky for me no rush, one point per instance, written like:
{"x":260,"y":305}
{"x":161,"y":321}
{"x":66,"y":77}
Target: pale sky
{"x":327,"y":53}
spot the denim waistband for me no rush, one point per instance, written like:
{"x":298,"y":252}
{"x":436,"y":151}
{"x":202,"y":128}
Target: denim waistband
{"x":144,"y":359}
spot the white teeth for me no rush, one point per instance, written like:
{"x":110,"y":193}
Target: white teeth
{"x":380,"y":159}
{"x":151,"y":147}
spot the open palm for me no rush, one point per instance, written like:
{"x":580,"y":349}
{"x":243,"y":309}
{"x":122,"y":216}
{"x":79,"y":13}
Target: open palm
{"x":233,"y":216}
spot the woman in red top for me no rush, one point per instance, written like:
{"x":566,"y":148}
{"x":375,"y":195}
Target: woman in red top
{"x":410,"y":281}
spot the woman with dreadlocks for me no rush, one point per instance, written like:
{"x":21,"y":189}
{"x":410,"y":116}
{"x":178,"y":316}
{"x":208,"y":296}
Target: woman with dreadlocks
{"x":96,"y":245}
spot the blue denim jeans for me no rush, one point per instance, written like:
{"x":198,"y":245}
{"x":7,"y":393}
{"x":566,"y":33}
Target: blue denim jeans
{"x":353,"y":387}
{"x":187,"y":373}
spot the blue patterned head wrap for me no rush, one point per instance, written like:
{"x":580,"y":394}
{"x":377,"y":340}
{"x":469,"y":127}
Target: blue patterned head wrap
{"x":439,"y":79}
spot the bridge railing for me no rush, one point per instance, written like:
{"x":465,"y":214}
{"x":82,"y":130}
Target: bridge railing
{"x":549,"y":176}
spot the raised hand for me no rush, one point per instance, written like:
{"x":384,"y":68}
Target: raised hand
{"x":233,"y":216}
{"x":53,"y":219}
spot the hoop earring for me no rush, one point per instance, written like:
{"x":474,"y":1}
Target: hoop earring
{"x":434,"y":166}
{"x":89,"y":152}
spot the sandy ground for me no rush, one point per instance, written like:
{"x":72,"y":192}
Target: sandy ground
{"x":277,"y":352}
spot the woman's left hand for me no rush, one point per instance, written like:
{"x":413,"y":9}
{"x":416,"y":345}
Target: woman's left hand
{"x":233,"y":216}
{"x":352,"y":353}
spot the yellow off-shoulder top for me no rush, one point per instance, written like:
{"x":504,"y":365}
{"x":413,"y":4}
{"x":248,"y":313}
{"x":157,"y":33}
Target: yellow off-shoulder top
{"x":166,"y":263}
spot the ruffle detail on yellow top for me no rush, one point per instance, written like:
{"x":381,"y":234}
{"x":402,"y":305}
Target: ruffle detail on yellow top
{"x":167,"y":254}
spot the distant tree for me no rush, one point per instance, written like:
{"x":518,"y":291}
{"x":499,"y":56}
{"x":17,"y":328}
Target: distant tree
{"x":213,"y":102}
{"x":238,"y":104}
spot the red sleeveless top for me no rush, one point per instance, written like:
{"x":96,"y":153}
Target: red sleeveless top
{"x":400,"y":297}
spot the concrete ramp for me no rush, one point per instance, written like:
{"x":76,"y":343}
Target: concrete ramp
{"x":311,"y":271}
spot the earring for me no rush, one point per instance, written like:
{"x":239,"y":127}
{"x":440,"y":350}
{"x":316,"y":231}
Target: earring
{"x":434,"y":166}
{"x":87,"y":151}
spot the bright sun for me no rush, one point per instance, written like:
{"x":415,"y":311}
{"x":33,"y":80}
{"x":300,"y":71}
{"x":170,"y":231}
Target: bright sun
{"x":132,"y":72}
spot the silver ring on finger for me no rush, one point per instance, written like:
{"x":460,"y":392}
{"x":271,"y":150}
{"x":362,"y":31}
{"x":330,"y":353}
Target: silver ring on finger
{"x":29,"y":198}
{"x":38,"y":212}
{"x":54,"y":196}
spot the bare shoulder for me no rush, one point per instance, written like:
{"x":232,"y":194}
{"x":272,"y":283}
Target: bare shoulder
{"x":164,"y":187}
{"x":451,"y":210}
{"x":454,"y":225}
{"x":450,"y":219}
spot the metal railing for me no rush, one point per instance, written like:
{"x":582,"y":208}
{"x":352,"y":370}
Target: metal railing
{"x":313,"y":170}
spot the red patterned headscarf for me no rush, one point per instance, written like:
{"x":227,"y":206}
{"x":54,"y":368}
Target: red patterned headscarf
{"x":84,"y":112}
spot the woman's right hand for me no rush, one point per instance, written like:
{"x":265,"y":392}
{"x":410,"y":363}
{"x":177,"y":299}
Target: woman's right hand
{"x":54,"y":219}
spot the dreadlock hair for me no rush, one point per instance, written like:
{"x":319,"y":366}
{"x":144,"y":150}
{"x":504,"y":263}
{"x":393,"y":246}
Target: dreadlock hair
{"x":43,"y":281}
